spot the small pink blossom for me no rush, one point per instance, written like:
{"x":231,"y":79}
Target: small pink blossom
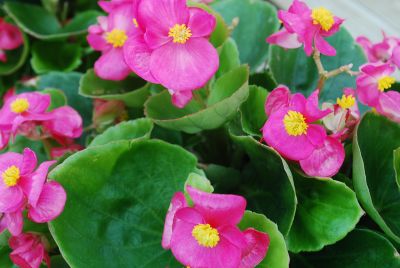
{"x":10,"y":38}
{"x":68,"y":147}
{"x":13,"y":221}
{"x":372,"y":83}
{"x":63,"y":122}
{"x":29,"y":250}
{"x":206,"y":235}
{"x":386,"y":51}
{"x":109,"y":36}
{"x":171,"y":47}
{"x":345,"y":115}
{"x":308,"y":27}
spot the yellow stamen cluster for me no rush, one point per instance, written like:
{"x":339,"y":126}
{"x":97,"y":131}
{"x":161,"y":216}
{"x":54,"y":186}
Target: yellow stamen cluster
{"x":19,"y":105}
{"x":206,"y":235}
{"x":295,"y":123}
{"x":385,"y":82}
{"x":117,"y":38}
{"x":346,"y":102}
{"x":323,"y":17}
{"x":11,"y":176}
{"x":180,"y":33}
{"x":136,"y":23}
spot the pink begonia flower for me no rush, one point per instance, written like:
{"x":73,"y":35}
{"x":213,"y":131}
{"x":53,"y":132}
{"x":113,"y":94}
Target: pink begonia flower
{"x":289,"y":128}
{"x":345,"y":115}
{"x":206,"y":235}
{"x":109,"y":36}
{"x":10,"y":38}
{"x":63,"y":122}
{"x":12,"y":221}
{"x":29,"y":250}
{"x":308,"y":27}
{"x":386,"y":51}
{"x":171,"y":47}
{"x":371,"y":85}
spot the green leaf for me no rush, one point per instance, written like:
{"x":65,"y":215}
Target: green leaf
{"x":69,"y":83}
{"x":226,"y":95}
{"x":118,"y":196}
{"x":58,"y":262}
{"x":5,"y":261}
{"x":269,"y":187}
{"x":397,"y":165}
{"x":228,"y":57}
{"x":327,"y":211}
{"x":129,"y":130}
{"x":374,"y":176}
{"x":58,"y":98}
{"x":293,"y":68}
{"x":199,"y":182}
{"x":257,"y":20}
{"x":133,"y":91}
{"x":277,"y":255}
{"x":253,"y":112}
{"x":40,"y":23}
{"x":55,"y":56}
{"x":15,"y":58}
{"x":359,"y":249}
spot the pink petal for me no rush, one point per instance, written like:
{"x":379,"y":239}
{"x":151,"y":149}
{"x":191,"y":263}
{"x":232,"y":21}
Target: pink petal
{"x":10,"y":36}
{"x":15,"y":222}
{"x":32,"y":258}
{"x":181,"y":98}
{"x":335,"y":27}
{"x":396,"y":56}
{"x":162,"y":14}
{"x":256,"y":250}
{"x":312,"y":112}
{"x":316,"y":134}
{"x":3,"y":56}
{"x":9,"y":159}
{"x":284,"y":39}
{"x":367,"y":90}
{"x":184,"y":66}
{"x":111,"y":65}
{"x":218,"y":209}
{"x":137,"y":57}
{"x":299,"y":7}
{"x":201,"y":23}
{"x":11,"y":198}
{"x":291,"y":147}
{"x":97,"y":42}
{"x":366,"y":44}
{"x":155,"y":38}
{"x":323,"y":46}
{"x":389,"y":105}
{"x":178,"y":201}
{"x":326,"y":160}
{"x":29,"y":162}
{"x":50,"y":204}
{"x":121,"y":18}
{"x":233,"y":234}
{"x":190,"y":253}
{"x":278,"y":98}
{"x":64,"y":122}
{"x":377,"y":70}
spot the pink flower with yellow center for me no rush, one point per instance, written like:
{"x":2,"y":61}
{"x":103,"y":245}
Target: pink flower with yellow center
{"x":307,"y":27}
{"x":171,"y":47}
{"x":10,"y":38}
{"x":206,"y":235}
{"x":373,"y":86}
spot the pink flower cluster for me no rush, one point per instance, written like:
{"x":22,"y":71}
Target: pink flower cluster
{"x":306,"y":27}
{"x":292,"y":129}
{"x":23,"y":113}
{"x":206,"y":234}
{"x":10,"y":38}
{"x":164,"y":42}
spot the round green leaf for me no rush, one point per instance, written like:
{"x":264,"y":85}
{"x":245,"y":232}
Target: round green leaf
{"x":226,"y":95}
{"x":133,"y":91}
{"x":130,"y":130}
{"x":5,"y":261}
{"x":269,"y":187}
{"x":228,"y":57}
{"x":327,"y":211}
{"x":58,"y":98}
{"x":253,"y":112}
{"x":359,"y":249}
{"x":257,"y":20}
{"x":374,"y":176}
{"x":277,"y":255}
{"x":55,"y":56}
{"x":118,"y":196}
{"x":293,"y":68}
{"x":15,"y":58}
{"x":41,"y":24}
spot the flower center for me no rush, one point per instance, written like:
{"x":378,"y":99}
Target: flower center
{"x":346,"y":102}
{"x":323,"y":17}
{"x":295,"y":123}
{"x":20,"y":105}
{"x":116,"y":37}
{"x":205,"y":235}
{"x":180,"y":33}
{"x":11,"y":176}
{"x":385,"y":82}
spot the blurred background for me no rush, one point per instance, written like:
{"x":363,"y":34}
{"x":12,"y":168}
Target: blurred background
{"x":363,"y":17}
